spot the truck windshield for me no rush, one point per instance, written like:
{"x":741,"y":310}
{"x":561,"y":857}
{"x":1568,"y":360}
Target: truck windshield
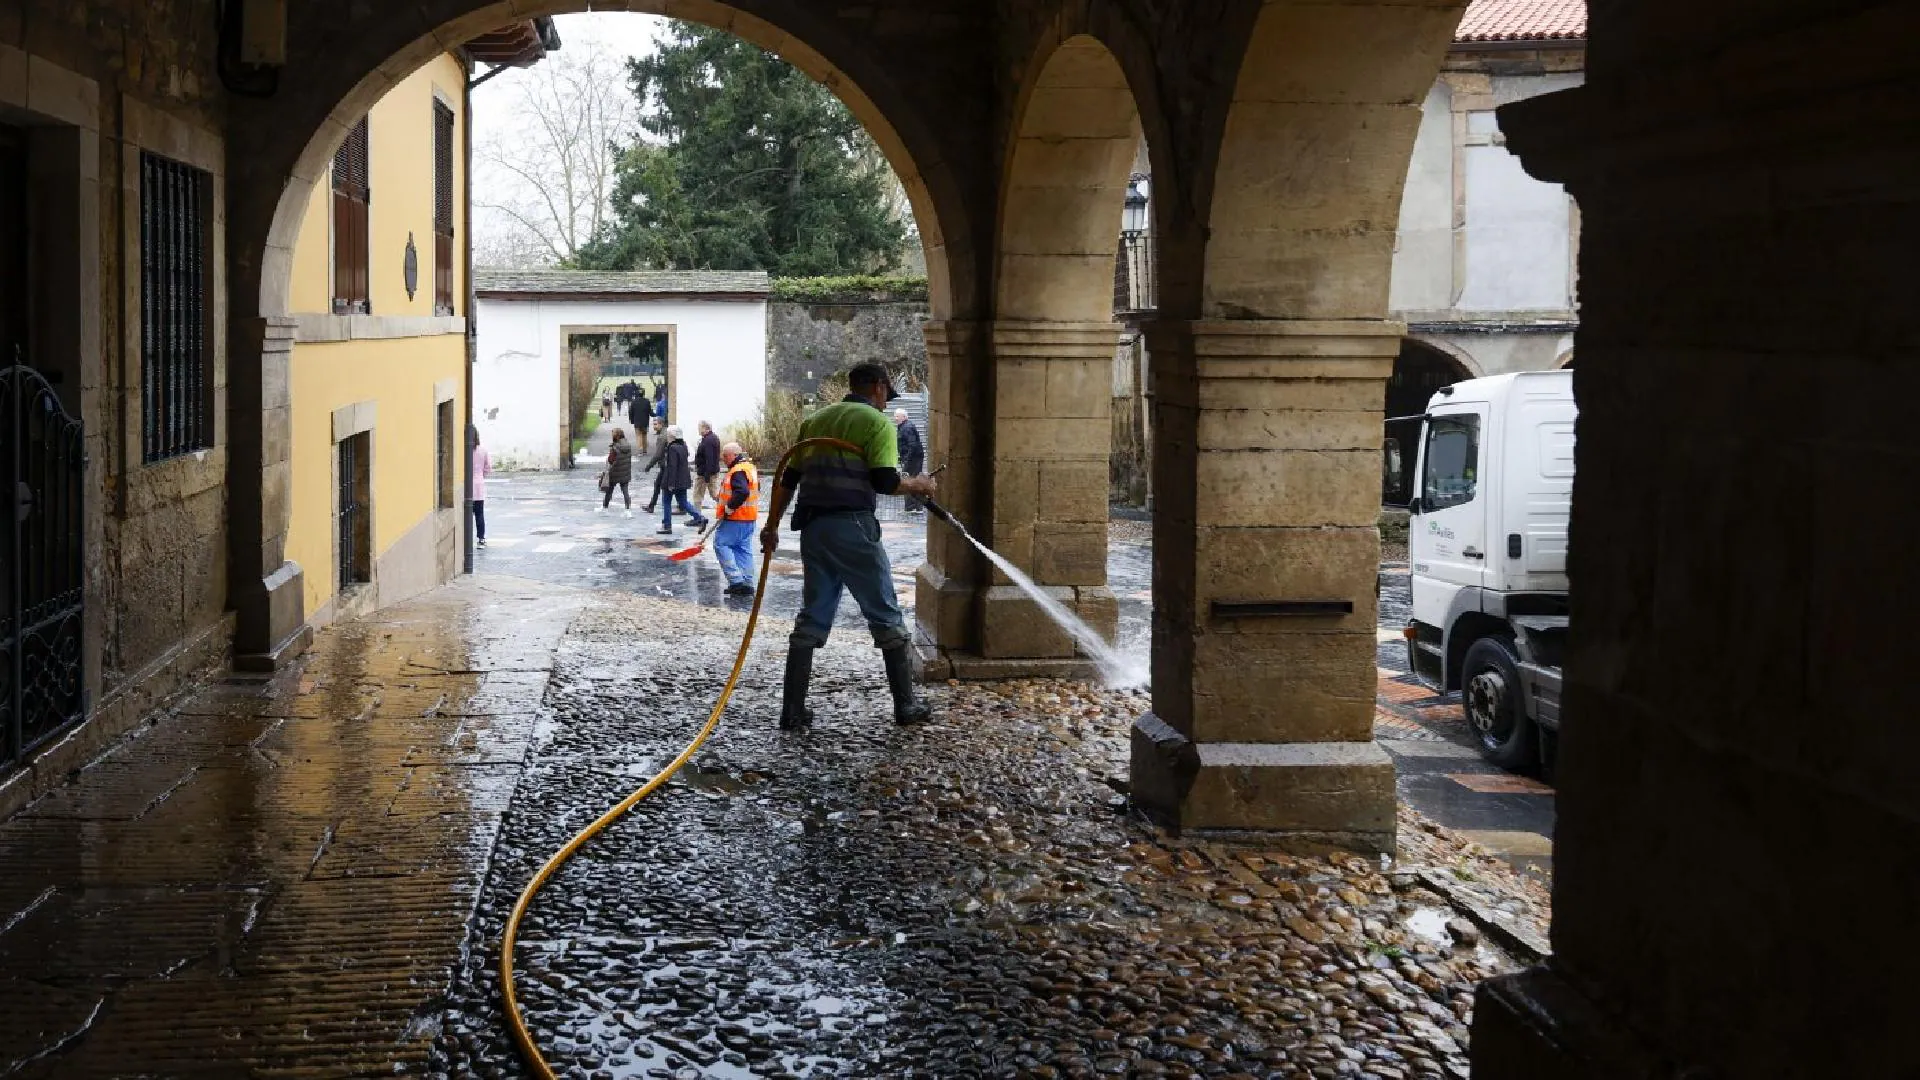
{"x":1452,"y":461}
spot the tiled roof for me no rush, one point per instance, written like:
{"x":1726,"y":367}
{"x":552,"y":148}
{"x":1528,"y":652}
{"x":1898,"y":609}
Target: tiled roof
{"x":621,"y":283}
{"x":1524,"y":20}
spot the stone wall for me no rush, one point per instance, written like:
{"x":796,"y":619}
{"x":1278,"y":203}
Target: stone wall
{"x":808,"y":342}
{"x":95,"y":83}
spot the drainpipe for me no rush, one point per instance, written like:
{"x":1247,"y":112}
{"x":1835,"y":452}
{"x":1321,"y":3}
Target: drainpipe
{"x":466,"y":264}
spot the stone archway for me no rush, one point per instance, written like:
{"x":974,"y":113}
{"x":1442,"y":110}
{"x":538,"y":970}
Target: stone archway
{"x":339,"y":67}
{"x":1419,"y":369}
{"x":1043,"y":500}
{"x":1268,"y":414}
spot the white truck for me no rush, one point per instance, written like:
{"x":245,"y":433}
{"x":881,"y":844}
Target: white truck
{"x":1487,"y":537}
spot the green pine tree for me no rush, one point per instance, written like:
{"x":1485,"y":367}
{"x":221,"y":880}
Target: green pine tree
{"x":745,"y":164}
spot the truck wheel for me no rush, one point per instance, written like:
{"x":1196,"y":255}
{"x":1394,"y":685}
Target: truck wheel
{"x":1490,"y":693}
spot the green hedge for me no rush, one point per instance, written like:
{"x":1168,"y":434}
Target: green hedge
{"x":853,"y":289}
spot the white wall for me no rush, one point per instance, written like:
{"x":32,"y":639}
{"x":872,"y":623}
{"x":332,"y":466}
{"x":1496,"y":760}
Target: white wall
{"x":1519,"y":233}
{"x":1423,"y":246}
{"x":720,"y":354}
{"x":1515,"y":251}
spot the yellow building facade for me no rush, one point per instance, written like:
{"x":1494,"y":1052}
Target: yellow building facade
{"x":379,"y":447}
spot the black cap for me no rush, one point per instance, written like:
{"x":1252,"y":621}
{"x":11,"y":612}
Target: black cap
{"x":869,"y":374}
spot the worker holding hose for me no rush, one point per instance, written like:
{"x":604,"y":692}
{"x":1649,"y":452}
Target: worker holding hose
{"x":840,"y":539}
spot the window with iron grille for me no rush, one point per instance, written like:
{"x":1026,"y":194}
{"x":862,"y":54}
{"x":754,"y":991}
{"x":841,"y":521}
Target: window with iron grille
{"x":443,"y":467}
{"x":442,"y":209}
{"x":355,"y":480}
{"x":176,"y":268}
{"x":350,"y":198}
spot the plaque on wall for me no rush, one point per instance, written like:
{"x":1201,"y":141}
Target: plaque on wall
{"x":410,"y":270}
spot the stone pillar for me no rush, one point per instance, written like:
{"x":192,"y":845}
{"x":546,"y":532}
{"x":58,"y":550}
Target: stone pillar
{"x":1738,"y":714}
{"x":946,"y":584}
{"x":1040,"y":498}
{"x":266,"y":589}
{"x":1266,"y":554}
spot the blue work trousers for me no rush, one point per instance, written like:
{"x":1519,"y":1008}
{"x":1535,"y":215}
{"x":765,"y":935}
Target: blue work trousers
{"x":733,"y":546}
{"x":843,"y":551}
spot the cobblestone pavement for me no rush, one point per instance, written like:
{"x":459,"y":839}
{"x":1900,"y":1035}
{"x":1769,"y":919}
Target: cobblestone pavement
{"x":964,"y":899}
{"x":544,"y":526}
{"x":308,"y":876}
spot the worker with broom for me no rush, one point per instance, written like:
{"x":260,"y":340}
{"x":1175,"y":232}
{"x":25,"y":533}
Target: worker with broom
{"x":840,"y":539}
{"x":736,"y":506}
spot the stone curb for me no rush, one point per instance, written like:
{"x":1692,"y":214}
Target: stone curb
{"x":1526,"y":946}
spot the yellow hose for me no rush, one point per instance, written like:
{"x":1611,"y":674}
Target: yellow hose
{"x":521,"y":1035}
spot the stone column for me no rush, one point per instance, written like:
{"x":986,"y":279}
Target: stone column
{"x":1737,"y":706}
{"x":1040,"y":498}
{"x":946,"y":584}
{"x":265,"y":587}
{"x":1266,"y":554}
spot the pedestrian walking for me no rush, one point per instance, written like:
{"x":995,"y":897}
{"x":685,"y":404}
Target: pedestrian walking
{"x":676,"y":476}
{"x":840,"y":544}
{"x":619,"y":472}
{"x":637,"y":414}
{"x":656,"y":454}
{"x":913,"y":453}
{"x":482,"y":468}
{"x":606,"y":407}
{"x":737,"y":505}
{"x":706,"y":467}
{"x":660,"y":404}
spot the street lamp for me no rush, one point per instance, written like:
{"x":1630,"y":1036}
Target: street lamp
{"x":1133,"y":218}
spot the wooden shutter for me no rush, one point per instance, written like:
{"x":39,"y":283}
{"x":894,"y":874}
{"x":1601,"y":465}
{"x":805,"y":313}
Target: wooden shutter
{"x":442,"y":209}
{"x":351,"y":195}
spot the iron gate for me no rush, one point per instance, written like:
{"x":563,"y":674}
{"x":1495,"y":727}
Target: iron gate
{"x":42,"y":578}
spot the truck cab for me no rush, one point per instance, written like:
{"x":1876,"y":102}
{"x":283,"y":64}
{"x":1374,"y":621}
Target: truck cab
{"x":1487,"y":539}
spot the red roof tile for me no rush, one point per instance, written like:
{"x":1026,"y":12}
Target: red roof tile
{"x":1524,"y":20}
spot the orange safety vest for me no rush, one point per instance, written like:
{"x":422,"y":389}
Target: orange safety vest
{"x":749,"y":510}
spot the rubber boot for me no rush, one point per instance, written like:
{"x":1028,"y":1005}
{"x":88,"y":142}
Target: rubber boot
{"x":794,"y":714}
{"x":907,"y":706}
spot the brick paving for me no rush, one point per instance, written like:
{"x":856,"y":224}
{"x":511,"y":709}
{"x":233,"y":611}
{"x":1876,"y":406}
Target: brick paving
{"x":278,"y":877}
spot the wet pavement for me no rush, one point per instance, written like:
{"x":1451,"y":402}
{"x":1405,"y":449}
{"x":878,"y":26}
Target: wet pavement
{"x":276,"y":878}
{"x":965,"y":899}
{"x":1439,"y":768}
{"x":544,"y":526}
{"x":309,"y":876}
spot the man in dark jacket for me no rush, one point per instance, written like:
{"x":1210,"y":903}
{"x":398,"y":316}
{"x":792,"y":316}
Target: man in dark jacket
{"x":656,"y":453}
{"x":706,"y":467}
{"x":913,"y":453}
{"x":637,"y":414}
{"x":676,"y":476}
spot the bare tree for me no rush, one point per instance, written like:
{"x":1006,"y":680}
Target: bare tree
{"x":544,"y":170}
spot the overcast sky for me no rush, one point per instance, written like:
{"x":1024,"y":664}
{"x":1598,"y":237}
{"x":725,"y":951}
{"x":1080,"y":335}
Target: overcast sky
{"x":622,"y":32}
{"x":495,"y":101}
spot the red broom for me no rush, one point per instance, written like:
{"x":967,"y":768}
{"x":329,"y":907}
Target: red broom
{"x":700,"y":544}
